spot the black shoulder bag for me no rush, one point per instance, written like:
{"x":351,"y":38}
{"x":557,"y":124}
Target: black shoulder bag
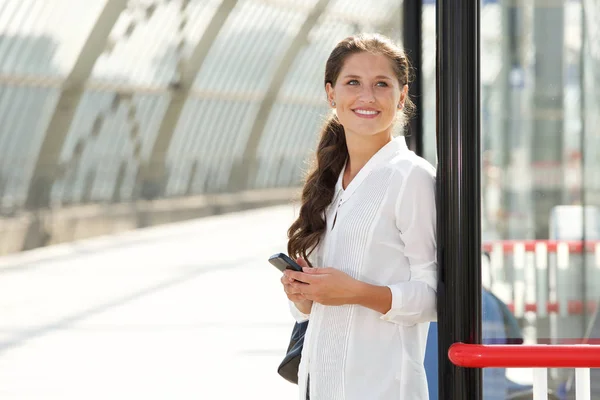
{"x":288,"y":368}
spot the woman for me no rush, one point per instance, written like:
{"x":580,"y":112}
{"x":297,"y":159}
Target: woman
{"x":367,"y":227}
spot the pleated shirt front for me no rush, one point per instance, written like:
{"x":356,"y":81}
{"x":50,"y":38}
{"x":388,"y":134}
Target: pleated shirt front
{"x":380,"y":230}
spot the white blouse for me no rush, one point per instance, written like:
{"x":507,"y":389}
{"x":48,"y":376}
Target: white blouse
{"x":384,"y":234}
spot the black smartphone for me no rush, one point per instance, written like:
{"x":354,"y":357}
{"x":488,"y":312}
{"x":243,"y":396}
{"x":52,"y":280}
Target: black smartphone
{"x":283,"y":262}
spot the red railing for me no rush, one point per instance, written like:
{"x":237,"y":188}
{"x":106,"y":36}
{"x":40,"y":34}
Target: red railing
{"x":524,"y":356}
{"x":539,"y":357}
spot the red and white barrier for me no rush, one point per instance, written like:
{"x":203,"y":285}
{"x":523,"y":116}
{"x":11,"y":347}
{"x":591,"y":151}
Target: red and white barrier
{"x":545,"y":276}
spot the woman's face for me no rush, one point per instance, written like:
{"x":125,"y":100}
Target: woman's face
{"x":367,"y":94}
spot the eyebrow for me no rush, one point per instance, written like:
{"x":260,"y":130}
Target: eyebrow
{"x":377,"y":77}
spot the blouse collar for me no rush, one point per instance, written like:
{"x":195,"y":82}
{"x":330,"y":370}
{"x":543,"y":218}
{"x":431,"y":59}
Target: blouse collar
{"x":383,"y":155}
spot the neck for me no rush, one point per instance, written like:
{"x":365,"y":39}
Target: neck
{"x":361,"y":149}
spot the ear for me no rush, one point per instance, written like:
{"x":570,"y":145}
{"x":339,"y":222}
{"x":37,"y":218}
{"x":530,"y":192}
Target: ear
{"x":330,"y":93}
{"x":403,"y":95}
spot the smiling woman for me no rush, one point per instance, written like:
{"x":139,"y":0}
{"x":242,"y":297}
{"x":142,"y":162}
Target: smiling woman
{"x":367,"y":95}
{"x":367,"y":227}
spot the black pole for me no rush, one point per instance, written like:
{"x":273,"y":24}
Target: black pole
{"x":459,"y":227}
{"x":411,"y":30}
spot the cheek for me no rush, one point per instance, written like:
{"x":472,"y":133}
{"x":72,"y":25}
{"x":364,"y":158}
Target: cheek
{"x":345,"y":97}
{"x":391,"y":110}
{"x":393,"y":105}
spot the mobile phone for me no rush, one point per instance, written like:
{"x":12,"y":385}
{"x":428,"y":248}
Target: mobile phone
{"x":283,"y":262}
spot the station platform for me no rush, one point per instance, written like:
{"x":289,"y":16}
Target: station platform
{"x":190,"y":310}
{"x":185,"y":311}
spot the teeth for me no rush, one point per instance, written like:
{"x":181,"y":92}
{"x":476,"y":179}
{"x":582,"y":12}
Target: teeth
{"x":365,"y":112}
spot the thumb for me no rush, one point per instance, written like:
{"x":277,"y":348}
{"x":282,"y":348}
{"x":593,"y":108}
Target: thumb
{"x":302,"y":262}
{"x":314,"y":271}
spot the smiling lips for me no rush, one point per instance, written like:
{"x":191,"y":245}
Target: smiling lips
{"x":363,"y":113}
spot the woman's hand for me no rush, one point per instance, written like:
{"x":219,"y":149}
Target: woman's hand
{"x":293,"y":290}
{"x":327,"y":286}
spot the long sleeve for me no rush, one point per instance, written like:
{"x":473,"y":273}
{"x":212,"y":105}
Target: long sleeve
{"x":298,"y":315}
{"x":414,"y":301}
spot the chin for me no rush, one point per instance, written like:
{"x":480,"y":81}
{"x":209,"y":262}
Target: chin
{"x":368,"y":134}
{"x":372,"y":132}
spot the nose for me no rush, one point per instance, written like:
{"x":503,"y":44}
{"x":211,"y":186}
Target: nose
{"x":367,"y":94}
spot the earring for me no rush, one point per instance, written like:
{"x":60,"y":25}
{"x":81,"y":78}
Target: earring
{"x":400,"y":106}
{"x":333,"y":104}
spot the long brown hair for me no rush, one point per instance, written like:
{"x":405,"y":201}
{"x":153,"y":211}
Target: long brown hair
{"x":305,"y":233}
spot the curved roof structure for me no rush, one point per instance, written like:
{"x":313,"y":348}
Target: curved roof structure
{"x":125,"y":98}
{"x":113,"y":100}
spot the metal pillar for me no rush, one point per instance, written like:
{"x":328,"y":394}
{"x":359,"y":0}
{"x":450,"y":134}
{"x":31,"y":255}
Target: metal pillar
{"x":46,"y":167}
{"x":153,"y":175}
{"x":459,"y":219}
{"x":512,"y":134}
{"x":548,"y":115}
{"x":245,"y":169}
{"x":412,"y":32}
{"x":586,"y":267}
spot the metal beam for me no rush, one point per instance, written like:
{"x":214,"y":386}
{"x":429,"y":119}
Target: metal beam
{"x":46,"y":167}
{"x":458,"y":177}
{"x":244,"y":170}
{"x":412,"y":33}
{"x":548,"y":113}
{"x":152,"y":176}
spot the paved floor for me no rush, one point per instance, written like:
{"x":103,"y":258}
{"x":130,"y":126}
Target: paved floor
{"x":188,"y":311}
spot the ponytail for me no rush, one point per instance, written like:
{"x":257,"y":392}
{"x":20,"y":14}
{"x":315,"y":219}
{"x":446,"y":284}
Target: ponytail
{"x":318,"y":191}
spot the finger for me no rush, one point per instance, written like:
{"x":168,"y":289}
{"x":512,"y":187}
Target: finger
{"x":298,"y":276}
{"x":294,"y":294}
{"x":291,"y":289}
{"x":315,"y":271}
{"x":303,"y":288}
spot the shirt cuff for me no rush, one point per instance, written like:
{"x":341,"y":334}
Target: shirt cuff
{"x":396,"y":314}
{"x":298,"y":315}
{"x":396,"y":304}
